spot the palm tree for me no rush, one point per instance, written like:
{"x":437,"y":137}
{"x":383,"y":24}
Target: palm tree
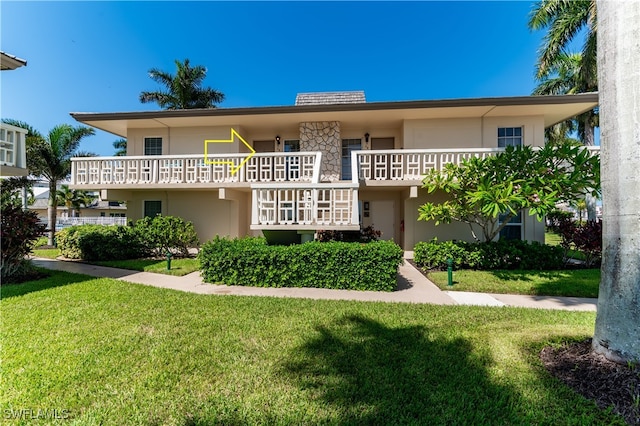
{"x":68,"y":198}
{"x":560,"y":72}
{"x":565,"y":19}
{"x":120,"y":146}
{"x":617,"y":334}
{"x":183,"y":91}
{"x":51,"y":159}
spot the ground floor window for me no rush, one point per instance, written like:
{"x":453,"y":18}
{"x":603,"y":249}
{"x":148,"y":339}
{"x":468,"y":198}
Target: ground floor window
{"x":152,"y":208}
{"x":513,"y":229}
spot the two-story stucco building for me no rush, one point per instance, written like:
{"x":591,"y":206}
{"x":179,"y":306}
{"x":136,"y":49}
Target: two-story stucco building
{"x":331,"y":161}
{"x":13,"y":156}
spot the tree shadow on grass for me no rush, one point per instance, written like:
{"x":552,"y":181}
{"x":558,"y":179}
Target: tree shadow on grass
{"x":372,"y":374}
{"x":55,"y":279}
{"x":573,"y":283}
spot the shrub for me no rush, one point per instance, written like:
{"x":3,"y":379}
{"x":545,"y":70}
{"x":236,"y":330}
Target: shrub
{"x":556,"y":218}
{"x":364,"y":235}
{"x":502,"y":254}
{"x":585,"y":237}
{"x":336,"y":265}
{"x":98,"y":242}
{"x":164,"y":234}
{"x":19,"y":230}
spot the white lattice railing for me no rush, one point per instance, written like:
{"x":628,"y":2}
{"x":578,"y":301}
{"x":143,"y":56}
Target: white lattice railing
{"x":192,"y":169}
{"x":413,"y":164}
{"x":12,"y":146}
{"x":410,"y":164}
{"x":300,"y":206}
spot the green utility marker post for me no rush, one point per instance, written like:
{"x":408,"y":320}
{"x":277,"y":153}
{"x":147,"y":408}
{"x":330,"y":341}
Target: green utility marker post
{"x":450,"y":272}
{"x":168,"y":261}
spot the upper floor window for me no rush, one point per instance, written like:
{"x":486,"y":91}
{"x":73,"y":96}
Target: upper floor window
{"x":152,"y":146}
{"x":292,"y":145}
{"x":509,"y":136}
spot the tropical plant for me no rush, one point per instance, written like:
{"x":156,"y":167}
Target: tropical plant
{"x":120,"y":146}
{"x":50,"y":157}
{"x":564,"y":20}
{"x":183,"y":90}
{"x":486,"y":193}
{"x":73,"y":199}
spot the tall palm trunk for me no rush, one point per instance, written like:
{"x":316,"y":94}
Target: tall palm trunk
{"x":52,"y":210}
{"x":617,"y":331}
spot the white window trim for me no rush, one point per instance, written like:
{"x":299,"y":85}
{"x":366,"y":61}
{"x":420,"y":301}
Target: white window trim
{"x":144,"y":144}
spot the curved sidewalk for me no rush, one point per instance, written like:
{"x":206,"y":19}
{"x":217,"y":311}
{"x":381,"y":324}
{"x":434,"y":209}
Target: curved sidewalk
{"x":413,"y":287}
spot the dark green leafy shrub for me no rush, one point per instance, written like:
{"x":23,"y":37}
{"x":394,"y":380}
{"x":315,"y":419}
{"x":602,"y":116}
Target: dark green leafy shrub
{"x":336,"y":265}
{"x":167,"y":234}
{"x":19,"y":231}
{"x":502,"y":254}
{"x":584,"y":237}
{"x":98,"y":242}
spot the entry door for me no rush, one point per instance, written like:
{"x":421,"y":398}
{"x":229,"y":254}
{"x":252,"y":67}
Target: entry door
{"x":382,"y":218}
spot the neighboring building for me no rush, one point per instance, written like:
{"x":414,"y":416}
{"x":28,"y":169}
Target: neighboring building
{"x":332,"y":161}
{"x":13,"y":158}
{"x":99,"y":212}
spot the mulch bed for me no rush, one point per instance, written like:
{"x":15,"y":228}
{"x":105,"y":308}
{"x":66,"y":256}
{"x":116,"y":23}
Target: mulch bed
{"x":593,"y":376}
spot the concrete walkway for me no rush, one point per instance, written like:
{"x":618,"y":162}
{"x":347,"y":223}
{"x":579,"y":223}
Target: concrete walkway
{"x":413,"y":287}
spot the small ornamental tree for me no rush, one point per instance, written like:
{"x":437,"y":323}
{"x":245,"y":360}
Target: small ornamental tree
{"x":520,"y":178}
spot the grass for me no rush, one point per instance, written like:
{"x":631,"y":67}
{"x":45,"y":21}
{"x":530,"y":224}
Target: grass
{"x":573,"y":282}
{"x":48,"y":253}
{"x":109,"y":352}
{"x":179,"y":267}
{"x":553,"y":239}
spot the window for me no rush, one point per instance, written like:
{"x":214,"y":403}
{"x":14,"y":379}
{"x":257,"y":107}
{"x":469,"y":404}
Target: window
{"x":152,"y":208}
{"x":509,"y":136}
{"x":101,"y":214}
{"x":292,"y":146}
{"x":513,"y":229}
{"x":349,"y":145}
{"x":152,"y":146}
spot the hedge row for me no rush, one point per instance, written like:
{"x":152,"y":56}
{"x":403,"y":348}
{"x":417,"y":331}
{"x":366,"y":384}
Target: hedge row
{"x":336,"y":265}
{"x":502,"y":254}
{"x":149,"y":237}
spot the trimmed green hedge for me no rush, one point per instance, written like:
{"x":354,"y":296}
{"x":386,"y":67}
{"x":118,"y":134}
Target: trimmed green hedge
{"x":502,"y":254}
{"x":99,"y":242}
{"x":335,"y":265}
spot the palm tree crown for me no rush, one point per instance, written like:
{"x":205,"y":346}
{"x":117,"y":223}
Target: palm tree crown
{"x":564,"y":19}
{"x":183,"y":91}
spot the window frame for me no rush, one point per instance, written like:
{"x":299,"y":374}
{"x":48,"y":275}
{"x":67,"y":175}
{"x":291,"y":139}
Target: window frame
{"x":150,"y":139}
{"x":144,"y":208}
{"x":509,"y":135}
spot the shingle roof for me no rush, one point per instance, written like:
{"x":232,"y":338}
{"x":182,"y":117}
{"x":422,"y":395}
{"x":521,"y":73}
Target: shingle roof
{"x":330,"y":98}
{"x":10,"y":62}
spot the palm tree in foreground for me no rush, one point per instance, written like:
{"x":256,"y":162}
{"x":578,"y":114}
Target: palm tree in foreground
{"x":183,"y":90}
{"x":617,"y":330}
{"x":50,"y":157}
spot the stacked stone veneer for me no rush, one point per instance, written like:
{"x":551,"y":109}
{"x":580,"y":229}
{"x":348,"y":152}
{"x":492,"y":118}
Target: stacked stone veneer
{"x":324,"y":136}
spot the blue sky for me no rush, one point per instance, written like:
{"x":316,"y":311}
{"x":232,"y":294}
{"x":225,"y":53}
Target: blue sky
{"x":95,"y":56}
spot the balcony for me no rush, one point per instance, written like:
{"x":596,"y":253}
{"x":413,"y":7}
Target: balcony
{"x":191,"y":171}
{"x":408,"y":167}
{"x":13,"y":159}
{"x":305,"y":206}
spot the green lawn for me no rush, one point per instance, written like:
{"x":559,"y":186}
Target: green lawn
{"x":115,"y":353}
{"x":179,"y":267}
{"x":554,"y":240}
{"x":574,"y":282}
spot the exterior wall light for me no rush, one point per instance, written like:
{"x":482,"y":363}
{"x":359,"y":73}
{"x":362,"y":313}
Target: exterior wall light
{"x":278,"y":139}
{"x":366,"y":137}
